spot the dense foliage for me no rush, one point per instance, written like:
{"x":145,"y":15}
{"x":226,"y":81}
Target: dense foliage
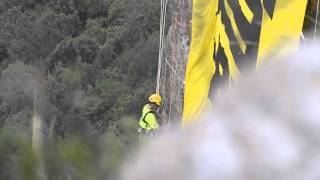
{"x":95,"y":58}
{"x":94,"y":61}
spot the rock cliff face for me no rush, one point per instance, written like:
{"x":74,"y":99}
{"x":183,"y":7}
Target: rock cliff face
{"x":176,"y":51}
{"x":174,"y":61}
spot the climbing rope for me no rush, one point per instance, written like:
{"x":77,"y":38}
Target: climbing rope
{"x":164,"y":84}
{"x":160,"y":44}
{"x":316,"y":24}
{"x":159,"y":61}
{"x":162,"y":30}
{"x":175,"y":72}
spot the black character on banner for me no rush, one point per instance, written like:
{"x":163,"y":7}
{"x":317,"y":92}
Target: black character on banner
{"x":249,"y":31}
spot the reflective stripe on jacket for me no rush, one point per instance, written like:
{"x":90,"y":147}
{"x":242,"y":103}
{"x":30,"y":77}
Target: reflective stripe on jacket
{"x":148,"y":120}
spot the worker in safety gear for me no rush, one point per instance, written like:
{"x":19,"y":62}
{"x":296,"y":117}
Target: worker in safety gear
{"x":148,"y":121}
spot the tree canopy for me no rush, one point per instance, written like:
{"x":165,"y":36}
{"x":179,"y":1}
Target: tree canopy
{"x":94,"y":60}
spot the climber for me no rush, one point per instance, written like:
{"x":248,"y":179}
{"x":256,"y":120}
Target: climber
{"x":148,"y":121}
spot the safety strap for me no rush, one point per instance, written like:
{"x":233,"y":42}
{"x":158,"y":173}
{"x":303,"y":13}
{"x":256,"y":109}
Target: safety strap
{"x":144,"y":117}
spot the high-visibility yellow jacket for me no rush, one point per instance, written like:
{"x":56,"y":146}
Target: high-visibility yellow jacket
{"x":148,"y":120}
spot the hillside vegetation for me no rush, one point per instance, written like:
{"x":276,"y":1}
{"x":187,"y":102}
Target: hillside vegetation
{"x":94,"y":62}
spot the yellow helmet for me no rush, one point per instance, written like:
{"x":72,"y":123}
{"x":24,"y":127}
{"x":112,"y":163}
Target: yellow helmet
{"x":155,"y":98}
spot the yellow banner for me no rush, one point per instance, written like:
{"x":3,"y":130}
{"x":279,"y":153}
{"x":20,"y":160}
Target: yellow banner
{"x":229,"y":36}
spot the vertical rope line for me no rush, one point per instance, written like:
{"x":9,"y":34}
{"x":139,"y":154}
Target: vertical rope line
{"x":163,"y":26}
{"x":164,"y":85}
{"x":162,"y":29}
{"x":316,"y":24}
{"x":160,"y":49}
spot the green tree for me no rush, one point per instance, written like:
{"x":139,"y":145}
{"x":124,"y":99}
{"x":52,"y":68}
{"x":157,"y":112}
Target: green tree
{"x":96,"y":62}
